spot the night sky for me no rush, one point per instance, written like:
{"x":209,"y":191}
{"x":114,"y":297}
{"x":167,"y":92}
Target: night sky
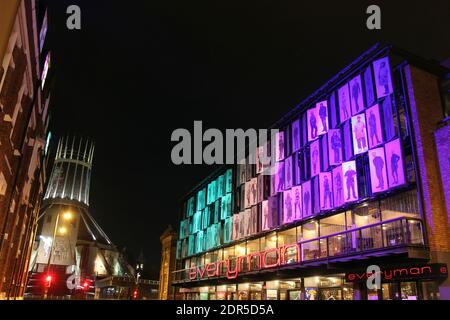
{"x":137,"y":70}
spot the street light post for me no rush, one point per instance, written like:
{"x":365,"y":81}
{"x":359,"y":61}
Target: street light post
{"x":66,"y":216}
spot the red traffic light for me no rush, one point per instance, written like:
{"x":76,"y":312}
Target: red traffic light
{"x":48,"y":280}
{"x":135,"y":294}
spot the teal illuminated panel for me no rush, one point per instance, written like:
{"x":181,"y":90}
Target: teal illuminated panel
{"x":201,"y":199}
{"x":199,"y":242}
{"x":226,"y":207}
{"x":191,"y":245}
{"x":190,"y":207}
{"x":217,"y":213}
{"x":227,"y":229}
{"x":212,"y":192}
{"x":206,"y":218}
{"x":229,"y":180}
{"x":184,"y":228}
{"x":197,"y":224}
{"x":220,"y":186}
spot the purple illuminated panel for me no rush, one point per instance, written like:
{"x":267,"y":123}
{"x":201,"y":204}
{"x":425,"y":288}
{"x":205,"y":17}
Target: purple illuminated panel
{"x":348,"y":142}
{"x":261,"y":185}
{"x":357,"y":101}
{"x":306,"y":196}
{"x":382,"y":77}
{"x":288,"y":173}
{"x":315,"y":158}
{"x":296,"y":194}
{"x":273,"y":212}
{"x":374,"y":126}
{"x":344,"y":103}
{"x":395,"y":168}
{"x":313,"y":124}
{"x":359,"y":134}
{"x":334,"y":147}
{"x":288,"y":214}
{"x":378,"y":176}
{"x":279,"y":146}
{"x":265,"y":219}
{"x":295,"y":135}
{"x":326,"y":191}
{"x":368,"y":86}
{"x":279,"y":176}
{"x":350,"y":181}
{"x":273,"y":183}
{"x":322,"y":112}
{"x":338,"y":187}
{"x":297,"y":167}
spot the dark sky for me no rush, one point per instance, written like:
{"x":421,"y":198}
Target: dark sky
{"x":140,"y":69}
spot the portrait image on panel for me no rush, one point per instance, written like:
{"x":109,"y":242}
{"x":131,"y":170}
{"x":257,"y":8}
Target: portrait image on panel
{"x":344,"y":103}
{"x":248,"y":195}
{"x":350,"y":181}
{"x":296,"y":162}
{"x":357,"y":101}
{"x":288,"y":173}
{"x":368,"y":86}
{"x":314,"y":158}
{"x":273,"y":184}
{"x":374,"y":126}
{"x":261,"y":186}
{"x":254,"y":191}
{"x":273,"y":211}
{"x":242,"y":172}
{"x":383,"y":79}
{"x":359,"y":134}
{"x":326,"y":190}
{"x":306,"y":196}
{"x":242,"y":225}
{"x":253,"y":220}
{"x":338,"y":187}
{"x":227,"y":230}
{"x":296,"y":135}
{"x":296,"y":193}
{"x":236,"y":226}
{"x":279,"y":151}
{"x":334,"y":147}
{"x":378,"y":175}
{"x":288,"y":214}
{"x":248,"y":222}
{"x":322,"y":112}
{"x":265,"y":221}
{"x":394,"y":159}
{"x":258,"y":162}
{"x":279,"y":176}
{"x":313,"y":129}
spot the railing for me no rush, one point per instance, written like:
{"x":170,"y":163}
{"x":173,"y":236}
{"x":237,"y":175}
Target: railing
{"x":380,"y":236}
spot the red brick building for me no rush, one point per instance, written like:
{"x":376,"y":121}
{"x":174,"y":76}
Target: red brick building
{"x":23,"y":123}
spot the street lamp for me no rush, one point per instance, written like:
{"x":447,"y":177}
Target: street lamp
{"x":67,"y":215}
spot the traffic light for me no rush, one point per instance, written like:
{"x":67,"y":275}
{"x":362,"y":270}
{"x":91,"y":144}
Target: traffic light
{"x":48,"y":280}
{"x":135,"y":294}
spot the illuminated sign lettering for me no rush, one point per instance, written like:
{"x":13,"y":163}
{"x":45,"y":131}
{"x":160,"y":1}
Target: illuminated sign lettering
{"x":409,"y":272}
{"x":270,"y":258}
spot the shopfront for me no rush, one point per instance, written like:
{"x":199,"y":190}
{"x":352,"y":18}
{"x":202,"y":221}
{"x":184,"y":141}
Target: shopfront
{"x":414,"y":282}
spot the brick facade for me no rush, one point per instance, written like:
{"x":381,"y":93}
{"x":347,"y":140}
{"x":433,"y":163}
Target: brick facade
{"x":22,"y":141}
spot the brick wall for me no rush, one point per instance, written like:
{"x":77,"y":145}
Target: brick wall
{"x":426,"y":113}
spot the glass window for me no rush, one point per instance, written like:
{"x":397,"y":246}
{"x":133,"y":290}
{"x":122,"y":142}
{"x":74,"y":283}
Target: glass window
{"x":401,"y":205}
{"x":364,"y":215}
{"x":252,"y":247}
{"x":269,"y":241}
{"x":333,"y":224}
{"x":287,"y":237}
{"x":310,"y":230}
